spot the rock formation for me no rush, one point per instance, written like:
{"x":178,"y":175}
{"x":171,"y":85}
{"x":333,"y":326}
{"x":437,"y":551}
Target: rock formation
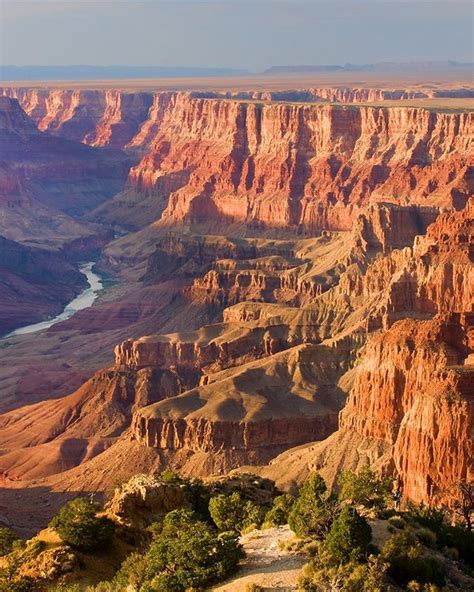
{"x":144,"y":499}
{"x":258,"y":161}
{"x":299,"y":275}
{"x":46,"y":182}
{"x":411,"y":409}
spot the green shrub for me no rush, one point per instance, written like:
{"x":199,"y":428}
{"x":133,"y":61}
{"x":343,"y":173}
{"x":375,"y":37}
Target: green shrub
{"x":233,"y":513}
{"x":32,"y":549}
{"x":323,"y":575}
{"x":459,"y":538}
{"x":7,"y":538}
{"x":397,"y":522}
{"x":364,"y":488}
{"x":426,"y":536}
{"x":349,"y":536}
{"x":456,"y":537}
{"x":133,"y":572}
{"x":198,"y":495}
{"x":314,"y":509}
{"x":169,"y":476}
{"x":408,"y":561}
{"x":227,"y":511}
{"x":254,"y":515}
{"x":18,"y":585}
{"x":451,"y":553}
{"x":432,"y":518}
{"x":78,"y":525}
{"x":280,"y":510}
{"x":189,"y":554}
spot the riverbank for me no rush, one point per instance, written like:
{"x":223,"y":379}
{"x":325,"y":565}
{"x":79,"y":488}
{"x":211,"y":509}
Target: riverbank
{"x":84,"y":300}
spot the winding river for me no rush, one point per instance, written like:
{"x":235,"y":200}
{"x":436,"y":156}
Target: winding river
{"x":85,"y":299}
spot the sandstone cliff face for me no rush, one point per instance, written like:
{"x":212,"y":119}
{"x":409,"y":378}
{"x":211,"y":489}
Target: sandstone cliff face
{"x":39,"y":170}
{"x":99,"y":118}
{"x":211,"y":158}
{"x":410,"y":410}
{"x":414,"y":392}
{"x":344,"y":94}
{"x":285,"y":165}
{"x":119,"y":118}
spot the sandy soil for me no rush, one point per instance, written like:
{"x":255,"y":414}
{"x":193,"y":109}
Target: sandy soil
{"x":266,"y":563}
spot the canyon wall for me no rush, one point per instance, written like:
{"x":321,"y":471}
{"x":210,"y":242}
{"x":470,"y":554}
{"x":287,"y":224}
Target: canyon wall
{"x":338,"y":280}
{"x":95,"y":117}
{"x":305,"y":166}
{"x":45,"y":178}
{"x":205,"y":158}
{"x":46,"y":183}
{"x":415,"y":392}
{"x":34,"y":284}
{"x":410,"y":411}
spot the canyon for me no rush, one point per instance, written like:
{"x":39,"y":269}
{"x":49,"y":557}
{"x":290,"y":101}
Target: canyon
{"x":293,"y":286}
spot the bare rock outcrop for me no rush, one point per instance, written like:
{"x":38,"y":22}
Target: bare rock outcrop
{"x":144,"y":499}
{"x":414,"y":392}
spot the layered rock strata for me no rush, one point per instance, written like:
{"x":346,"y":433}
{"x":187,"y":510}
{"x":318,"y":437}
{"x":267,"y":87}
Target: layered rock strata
{"x":256,"y":409}
{"x":118,"y":117}
{"x":411,"y":410}
{"x":208,"y":159}
{"x":56,"y":172}
{"x":296,"y":165}
{"x":363,"y":310}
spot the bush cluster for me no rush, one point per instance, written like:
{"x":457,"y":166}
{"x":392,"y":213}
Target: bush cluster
{"x":188,"y":553}
{"x":313,"y":511}
{"x":344,"y":557}
{"x":192,"y":549}
{"x":7,"y":539}
{"x":78,"y":524}
{"x":234,"y":513}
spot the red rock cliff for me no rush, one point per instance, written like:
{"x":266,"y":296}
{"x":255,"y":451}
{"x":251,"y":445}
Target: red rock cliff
{"x":414,"y":392}
{"x":272,"y":163}
{"x":95,"y":117}
{"x":314,"y":166}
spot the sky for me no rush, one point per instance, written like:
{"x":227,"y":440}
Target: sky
{"x":250,"y":34}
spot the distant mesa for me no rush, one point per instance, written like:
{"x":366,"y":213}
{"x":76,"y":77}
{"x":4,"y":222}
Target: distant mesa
{"x":88,"y":72}
{"x":440,"y":66}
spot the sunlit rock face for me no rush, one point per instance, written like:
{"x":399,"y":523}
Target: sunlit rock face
{"x":214,"y":158}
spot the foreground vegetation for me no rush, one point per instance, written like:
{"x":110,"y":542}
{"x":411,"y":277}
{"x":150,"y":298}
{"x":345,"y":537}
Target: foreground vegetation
{"x":352,"y":536}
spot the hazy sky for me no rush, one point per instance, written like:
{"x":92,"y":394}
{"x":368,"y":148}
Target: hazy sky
{"x":250,"y":34}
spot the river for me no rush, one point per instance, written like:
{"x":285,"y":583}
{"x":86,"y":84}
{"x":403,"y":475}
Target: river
{"x":85,"y":299}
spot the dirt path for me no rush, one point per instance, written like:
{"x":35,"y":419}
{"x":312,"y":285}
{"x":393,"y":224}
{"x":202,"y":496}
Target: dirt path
{"x":266,"y":563}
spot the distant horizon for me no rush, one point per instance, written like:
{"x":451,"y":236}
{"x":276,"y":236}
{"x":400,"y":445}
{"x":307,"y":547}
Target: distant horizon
{"x":76,"y":72}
